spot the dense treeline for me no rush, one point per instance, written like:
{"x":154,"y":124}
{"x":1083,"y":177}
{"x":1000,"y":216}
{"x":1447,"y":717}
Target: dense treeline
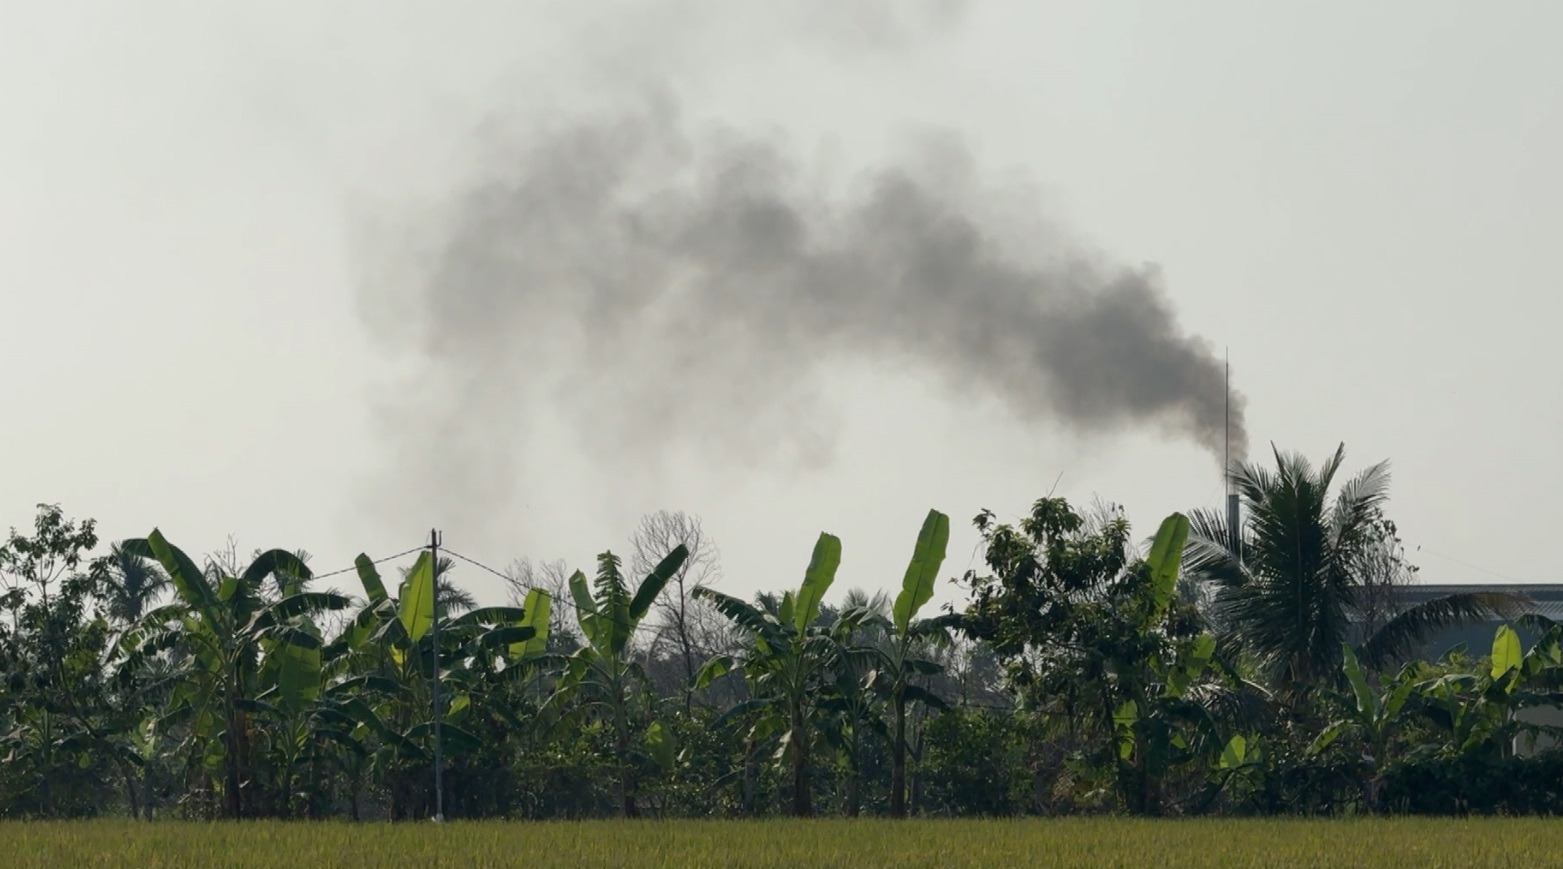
{"x":1268,"y":671}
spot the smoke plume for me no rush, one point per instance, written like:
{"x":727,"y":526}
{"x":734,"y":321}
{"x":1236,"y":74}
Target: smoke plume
{"x":660,"y":284}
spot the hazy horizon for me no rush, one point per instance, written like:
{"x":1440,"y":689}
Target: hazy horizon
{"x":227,"y":239}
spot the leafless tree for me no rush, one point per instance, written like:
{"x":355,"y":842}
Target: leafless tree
{"x":1384,"y":573}
{"x":552,"y":578}
{"x":690,"y":625}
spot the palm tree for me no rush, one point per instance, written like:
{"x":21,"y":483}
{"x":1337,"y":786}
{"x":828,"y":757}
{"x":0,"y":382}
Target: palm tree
{"x":130,"y":582}
{"x":448,"y":598}
{"x":1296,"y":588}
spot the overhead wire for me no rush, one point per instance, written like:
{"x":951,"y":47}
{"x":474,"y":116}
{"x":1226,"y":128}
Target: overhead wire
{"x":375,"y":561}
{"x":475,"y":563}
{"x":1478,"y":567}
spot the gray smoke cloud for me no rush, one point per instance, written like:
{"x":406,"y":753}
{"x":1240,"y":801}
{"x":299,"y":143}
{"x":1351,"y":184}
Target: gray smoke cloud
{"x":659,"y":284}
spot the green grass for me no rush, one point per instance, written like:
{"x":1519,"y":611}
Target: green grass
{"x":1005,"y":844}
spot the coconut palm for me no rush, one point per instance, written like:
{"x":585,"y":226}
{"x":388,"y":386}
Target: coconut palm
{"x":130,"y":582}
{"x":1296,"y":587}
{"x":449,"y":599}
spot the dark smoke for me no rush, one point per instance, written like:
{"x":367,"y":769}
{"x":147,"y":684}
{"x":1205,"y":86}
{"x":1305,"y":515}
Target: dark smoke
{"x":672,"y":289}
{"x":659,"y":287}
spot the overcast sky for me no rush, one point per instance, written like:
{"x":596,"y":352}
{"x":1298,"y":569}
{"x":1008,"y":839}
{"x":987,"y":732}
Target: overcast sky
{"x":1359,"y":200}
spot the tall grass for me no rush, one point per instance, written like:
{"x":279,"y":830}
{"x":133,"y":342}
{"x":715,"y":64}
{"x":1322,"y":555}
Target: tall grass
{"x":1099,"y":842}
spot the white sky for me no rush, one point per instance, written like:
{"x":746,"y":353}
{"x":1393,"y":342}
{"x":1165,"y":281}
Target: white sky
{"x":1358,"y":199}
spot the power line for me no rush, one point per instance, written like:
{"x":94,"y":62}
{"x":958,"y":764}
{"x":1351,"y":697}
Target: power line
{"x":375,"y":561}
{"x":1470,"y":565}
{"x":475,"y":563}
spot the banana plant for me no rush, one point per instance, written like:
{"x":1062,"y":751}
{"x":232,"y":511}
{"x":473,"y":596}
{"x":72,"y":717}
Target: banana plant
{"x":1163,"y":720}
{"x":603,"y":672}
{"x":789,"y":665}
{"x":897,"y":664}
{"x":391,"y":641}
{"x":1478,"y":709}
{"x":242,"y":642}
{"x":1371,"y":714}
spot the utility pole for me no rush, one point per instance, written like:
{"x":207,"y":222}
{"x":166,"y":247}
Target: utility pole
{"x":434,"y":572}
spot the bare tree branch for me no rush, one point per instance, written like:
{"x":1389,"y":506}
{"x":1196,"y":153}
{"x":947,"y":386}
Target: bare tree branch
{"x":553,"y":579}
{"x":688,"y":623}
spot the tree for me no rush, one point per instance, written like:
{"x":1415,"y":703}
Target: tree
{"x":389,"y":655}
{"x":1372,"y":715}
{"x":898,"y":664}
{"x":1385,"y":574}
{"x":789,"y":664}
{"x":681,"y":613}
{"x":855,"y":702}
{"x":51,"y":554}
{"x":1302,"y":576}
{"x":129,"y":583}
{"x":1095,"y":639}
{"x":236,"y":632}
{"x":552,"y":578}
{"x":603,"y":671}
{"x":53,"y":727}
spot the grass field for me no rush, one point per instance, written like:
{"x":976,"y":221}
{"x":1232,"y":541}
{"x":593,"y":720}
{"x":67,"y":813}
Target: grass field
{"x":1008,"y":844}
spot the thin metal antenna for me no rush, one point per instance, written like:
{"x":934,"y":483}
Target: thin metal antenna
{"x":434,"y":572}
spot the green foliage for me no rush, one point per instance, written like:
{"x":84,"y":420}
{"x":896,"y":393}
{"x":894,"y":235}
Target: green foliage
{"x":1165,"y":560}
{"x":787,"y":665}
{"x":416,"y":597}
{"x":816,"y":580}
{"x":1310,"y":566}
{"x":1085,"y":674}
{"x":923,"y":571}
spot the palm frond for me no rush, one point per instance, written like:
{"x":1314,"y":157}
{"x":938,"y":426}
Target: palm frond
{"x":751,"y":619}
{"x":1401,"y":634}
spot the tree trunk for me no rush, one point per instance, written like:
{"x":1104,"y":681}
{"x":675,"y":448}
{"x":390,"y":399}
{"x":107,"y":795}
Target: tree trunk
{"x":146,"y":791}
{"x":130,"y":787}
{"x":232,"y":806}
{"x":626,"y":799}
{"x":801,"y":806}
{"x":898,"y":762}
{"x":621,"y":733}
{"x":855,"y":781}
{"x":748,"y":779}
{"x":286,"y":809}
{"x":688,"y":649}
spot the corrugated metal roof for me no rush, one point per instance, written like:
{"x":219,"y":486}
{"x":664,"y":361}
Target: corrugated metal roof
{"x":1546,"y":598}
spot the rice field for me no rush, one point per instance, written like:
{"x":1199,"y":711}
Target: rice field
{"x":1100,"y":842}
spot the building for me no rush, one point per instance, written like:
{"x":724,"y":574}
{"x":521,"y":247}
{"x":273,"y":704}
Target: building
{"x":1545,"y":600}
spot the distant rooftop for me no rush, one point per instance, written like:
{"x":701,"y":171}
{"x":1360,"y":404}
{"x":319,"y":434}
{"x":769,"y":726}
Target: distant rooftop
{"x":1546,"y":598}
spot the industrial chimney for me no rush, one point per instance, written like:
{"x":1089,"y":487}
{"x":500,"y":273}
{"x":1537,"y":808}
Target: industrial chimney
{"x":1234,"y":516}
{"x":1234,"y":525}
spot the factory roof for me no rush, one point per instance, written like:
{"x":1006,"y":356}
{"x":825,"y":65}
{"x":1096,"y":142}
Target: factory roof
{"x":1546,"y":598}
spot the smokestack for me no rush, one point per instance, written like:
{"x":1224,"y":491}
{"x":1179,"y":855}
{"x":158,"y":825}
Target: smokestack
{"x":1234,"y":528}
{"x":1234,"y":518}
